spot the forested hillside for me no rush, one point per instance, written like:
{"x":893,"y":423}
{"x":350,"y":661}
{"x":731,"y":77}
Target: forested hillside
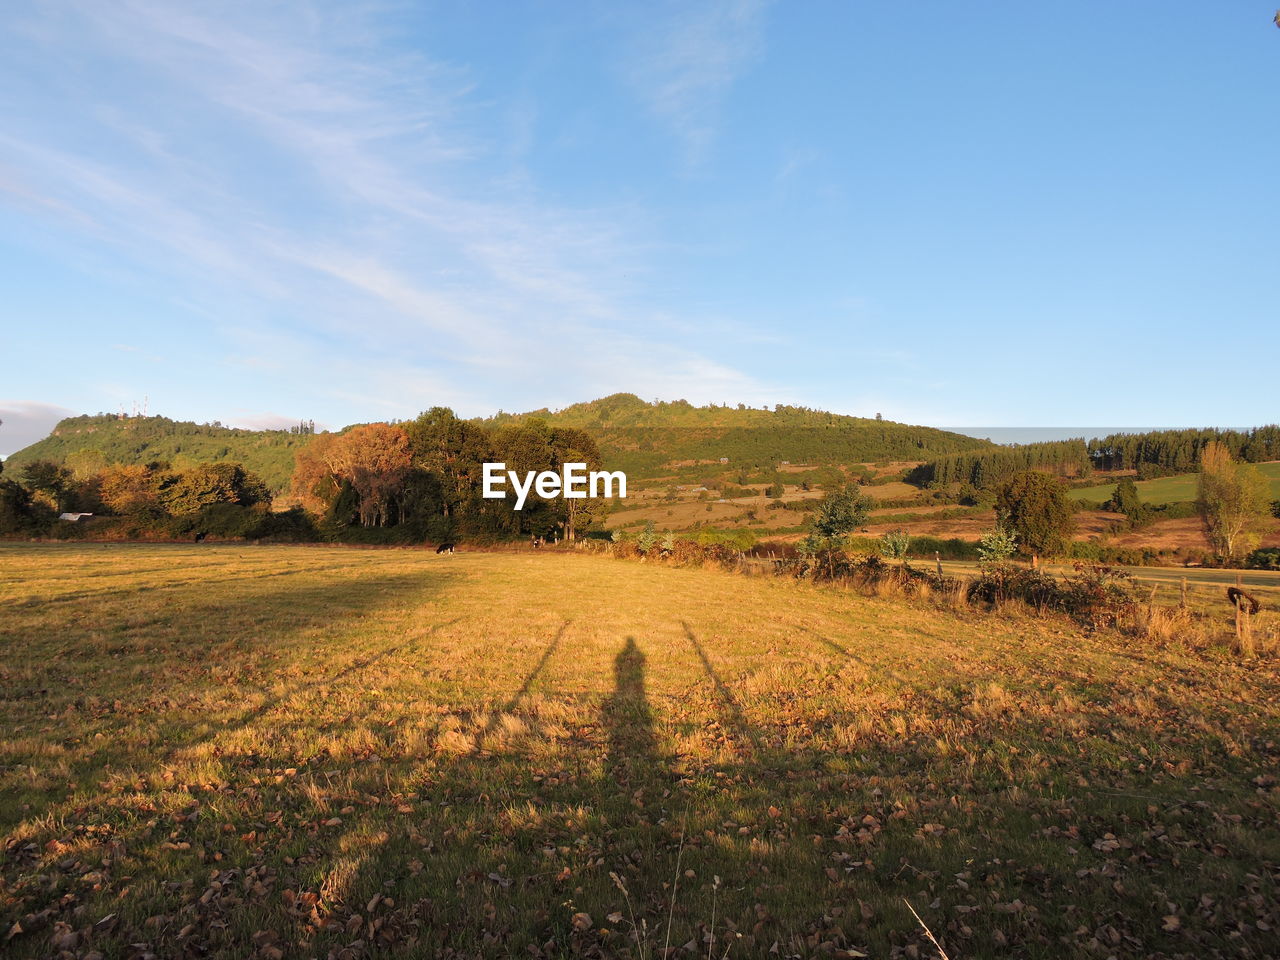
{"x":89,"y":442}
{"x":632,"y":435}
{"x":640,"y":437}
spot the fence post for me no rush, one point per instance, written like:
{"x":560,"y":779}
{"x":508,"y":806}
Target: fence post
{"x":1244,"y":631}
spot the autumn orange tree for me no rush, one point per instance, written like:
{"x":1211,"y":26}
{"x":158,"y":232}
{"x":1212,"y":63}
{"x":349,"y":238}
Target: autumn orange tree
{"x":1233,"y":501}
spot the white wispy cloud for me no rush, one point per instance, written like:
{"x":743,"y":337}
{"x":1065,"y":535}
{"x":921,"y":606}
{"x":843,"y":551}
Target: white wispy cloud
{"x":689,"y":59}
{"x":287,"y":159}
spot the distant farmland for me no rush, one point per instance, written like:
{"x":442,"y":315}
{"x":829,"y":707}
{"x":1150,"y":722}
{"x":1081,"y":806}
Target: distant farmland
{"x":1177,"y":489}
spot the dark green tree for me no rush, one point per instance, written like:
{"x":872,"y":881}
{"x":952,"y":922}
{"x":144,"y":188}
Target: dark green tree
{"x":16,"y":511}
{"x":1128,"y":501}
{"x":570,"y":445}
{"x":344,"y":510}
{"x":50,"y":482}
{"x":1035,"y":508}
{"x":454,"y":451}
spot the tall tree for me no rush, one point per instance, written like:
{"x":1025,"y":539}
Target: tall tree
{"x":375,"y":459}
{"x":570,"y":445}
{"x":313,"y":484}
{"x":1034,"y":507}
{"x":129,"y":489}
{"x":49,"y":481}
{"x":454,"y":451}
{"x":1233,"y":500}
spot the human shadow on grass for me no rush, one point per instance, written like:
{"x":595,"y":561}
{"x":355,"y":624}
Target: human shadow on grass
{"x":631,"y":743}
{"x":619,"y":822}
{"x":596,"y":807}
{"x":497,"y":858}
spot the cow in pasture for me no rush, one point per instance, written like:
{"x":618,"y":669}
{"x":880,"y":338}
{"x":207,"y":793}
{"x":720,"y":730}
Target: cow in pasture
{"x":445,"y":548}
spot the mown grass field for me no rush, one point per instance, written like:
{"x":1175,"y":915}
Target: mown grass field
{"x":1178,"y":489}
{"x":240,"y":751}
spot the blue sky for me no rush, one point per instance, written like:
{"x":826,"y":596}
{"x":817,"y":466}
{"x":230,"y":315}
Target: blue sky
{"x":996,"y":214}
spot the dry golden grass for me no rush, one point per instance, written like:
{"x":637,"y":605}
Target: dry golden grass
{"x":303,"y":751}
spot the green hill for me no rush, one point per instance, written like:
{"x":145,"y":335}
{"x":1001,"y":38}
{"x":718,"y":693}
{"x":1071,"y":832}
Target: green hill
{"x":642,"y":437}
{"x":129,"y":440}
{"x":639,"y":437}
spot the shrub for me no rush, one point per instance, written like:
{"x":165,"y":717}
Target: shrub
{"x":17,"y":513}
{"x":840,"y":513}
{"x":1266,"y":558}
{"x":895,"y":544}
{"x":998,"y":545}
{"x":1001,"y":582}
{"x":1097,"y":596}
{"x":648,"y":539}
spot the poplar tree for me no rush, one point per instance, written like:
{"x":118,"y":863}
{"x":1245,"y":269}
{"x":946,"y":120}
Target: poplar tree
{"x":1233,"y":500}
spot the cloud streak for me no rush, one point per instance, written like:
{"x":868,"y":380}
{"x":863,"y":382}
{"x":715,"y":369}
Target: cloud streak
{"x":337,"y":192}
{"x":687,"y":66}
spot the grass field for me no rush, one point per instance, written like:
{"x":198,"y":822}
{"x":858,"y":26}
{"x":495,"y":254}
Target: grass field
{"x":1179,"y":489}
{"x":241,"y":751}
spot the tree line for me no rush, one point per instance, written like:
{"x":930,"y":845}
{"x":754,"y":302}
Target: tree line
{"x":377,"y":482}
{"x":424,"y":477}
{"x":1166,"y":452}
{"x":1153,"y":454}
{"x":151,"y":495}
{"x":985,"y":468}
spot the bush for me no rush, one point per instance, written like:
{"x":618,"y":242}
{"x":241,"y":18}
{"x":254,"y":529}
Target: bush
{"x":1001,"y":582}
{"x":998,"y":545}
{"x":1097,"y":553}
{"x":1096,"y":596}
{"x":895,"y":544}
{"x":1267,"y":558}
{"x":740,"y":540}
{"x":648,"y":539}
{"x":952,"y":548}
